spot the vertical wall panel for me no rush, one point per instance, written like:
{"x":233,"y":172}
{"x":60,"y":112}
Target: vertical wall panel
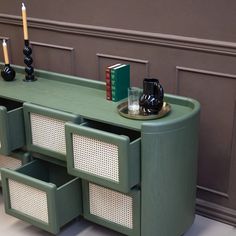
{"x":216,"y":93}
{"x":53,"y":57}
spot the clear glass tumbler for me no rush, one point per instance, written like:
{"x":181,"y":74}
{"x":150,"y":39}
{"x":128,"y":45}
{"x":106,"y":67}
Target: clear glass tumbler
{"x":134,"y":94}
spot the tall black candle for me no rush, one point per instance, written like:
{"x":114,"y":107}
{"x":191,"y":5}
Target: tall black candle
{"x":28,"y":60}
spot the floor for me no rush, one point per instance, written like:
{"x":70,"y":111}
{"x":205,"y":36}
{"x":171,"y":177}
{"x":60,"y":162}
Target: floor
{"x":13,"y":227}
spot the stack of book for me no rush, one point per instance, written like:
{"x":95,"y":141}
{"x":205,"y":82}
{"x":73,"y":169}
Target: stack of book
{"x":117,"y":81}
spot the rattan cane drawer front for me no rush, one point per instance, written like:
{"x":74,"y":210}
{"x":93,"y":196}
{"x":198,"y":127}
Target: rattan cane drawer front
{"x":45,"y":130}
{"x":111,"y":159}
{"x":12,"y":133}
{"x":28,"y":200}
{"x":37,"y":193}
{"x":115,"y":210}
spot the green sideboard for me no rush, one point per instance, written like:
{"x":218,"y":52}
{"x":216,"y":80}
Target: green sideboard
{"x":137,"y":177}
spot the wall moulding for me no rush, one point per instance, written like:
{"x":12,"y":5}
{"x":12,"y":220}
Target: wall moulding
{"x":118,"y":59}
{"x":229,"y":155}
{"x":165,"y":40}
{"x":212,"y":191}
{"x":178,"y":69}
{"x":4,"y":37}
{"x":68,"y":53}
{"x":215,"y":211}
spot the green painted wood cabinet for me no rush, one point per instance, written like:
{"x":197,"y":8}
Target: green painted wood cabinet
{"x":138,"y":177}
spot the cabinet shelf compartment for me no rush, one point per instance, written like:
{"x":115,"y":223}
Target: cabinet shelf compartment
{"x":42,"y":194}
{"x":45,"y":130}
{"x":104,"y":154}
{"x":14,"y":161}
{"x":112,"y":209}
{"x":12,"y":135}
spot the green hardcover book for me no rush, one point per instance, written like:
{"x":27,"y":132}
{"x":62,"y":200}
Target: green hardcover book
{"x":120,"y":81}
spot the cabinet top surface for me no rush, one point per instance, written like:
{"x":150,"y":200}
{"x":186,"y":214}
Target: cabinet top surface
{"x":86,"y":98}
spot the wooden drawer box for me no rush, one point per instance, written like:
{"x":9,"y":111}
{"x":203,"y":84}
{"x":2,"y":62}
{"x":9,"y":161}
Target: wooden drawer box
{"x":112,"y":209}
{"x":104,"y":154}
{"x":14,"y":161}
{"x":45,"y":130}
{"x":12,"y":135}
{"x":42,"y":194}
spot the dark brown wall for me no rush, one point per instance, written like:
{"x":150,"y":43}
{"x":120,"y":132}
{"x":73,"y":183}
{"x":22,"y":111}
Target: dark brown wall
{"x":214,"y":19}
{"x":190,"y":47}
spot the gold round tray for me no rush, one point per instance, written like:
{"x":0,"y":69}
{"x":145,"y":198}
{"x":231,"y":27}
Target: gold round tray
{"x":123,"y":111}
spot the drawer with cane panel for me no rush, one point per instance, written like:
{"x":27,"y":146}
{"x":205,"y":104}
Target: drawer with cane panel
{"x":104,"y":154}
{"x":42,"y":194}
{"x":112,"y":209}
{"x":45,"y":130}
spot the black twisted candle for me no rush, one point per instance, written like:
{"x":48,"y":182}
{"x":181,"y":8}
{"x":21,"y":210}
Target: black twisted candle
{"x":28,"y":60}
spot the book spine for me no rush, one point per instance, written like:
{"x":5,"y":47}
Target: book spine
{"x":126,"y":82}
{"x":113,"y":85}
{"x":108,"y":84}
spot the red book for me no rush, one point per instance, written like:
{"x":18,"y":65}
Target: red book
{"x":108,"y":81}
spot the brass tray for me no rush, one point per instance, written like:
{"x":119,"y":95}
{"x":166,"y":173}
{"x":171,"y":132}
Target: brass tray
{"x":123,"y":111}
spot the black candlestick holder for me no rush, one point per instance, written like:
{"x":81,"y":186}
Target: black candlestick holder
{"x":28,"y":60}
{"x":8,"y":73}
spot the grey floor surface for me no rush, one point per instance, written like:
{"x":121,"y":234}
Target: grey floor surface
{"x":11,"y":226}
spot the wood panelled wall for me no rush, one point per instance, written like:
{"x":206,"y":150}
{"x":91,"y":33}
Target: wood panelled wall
{"x":190,"y":47}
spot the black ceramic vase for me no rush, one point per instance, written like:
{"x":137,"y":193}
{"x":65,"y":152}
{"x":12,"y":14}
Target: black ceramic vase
{"x":151,"y":101}
{"x":8,"y":73}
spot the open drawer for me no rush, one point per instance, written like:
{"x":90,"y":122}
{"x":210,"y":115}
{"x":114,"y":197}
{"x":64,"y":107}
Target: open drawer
{"x":12,"y":134}
{"x":14,"y":160}
{"x":104,"y":154}
{"x":112,"y":209}
{"x":42,"y":194}
{"x":45,"y":130}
